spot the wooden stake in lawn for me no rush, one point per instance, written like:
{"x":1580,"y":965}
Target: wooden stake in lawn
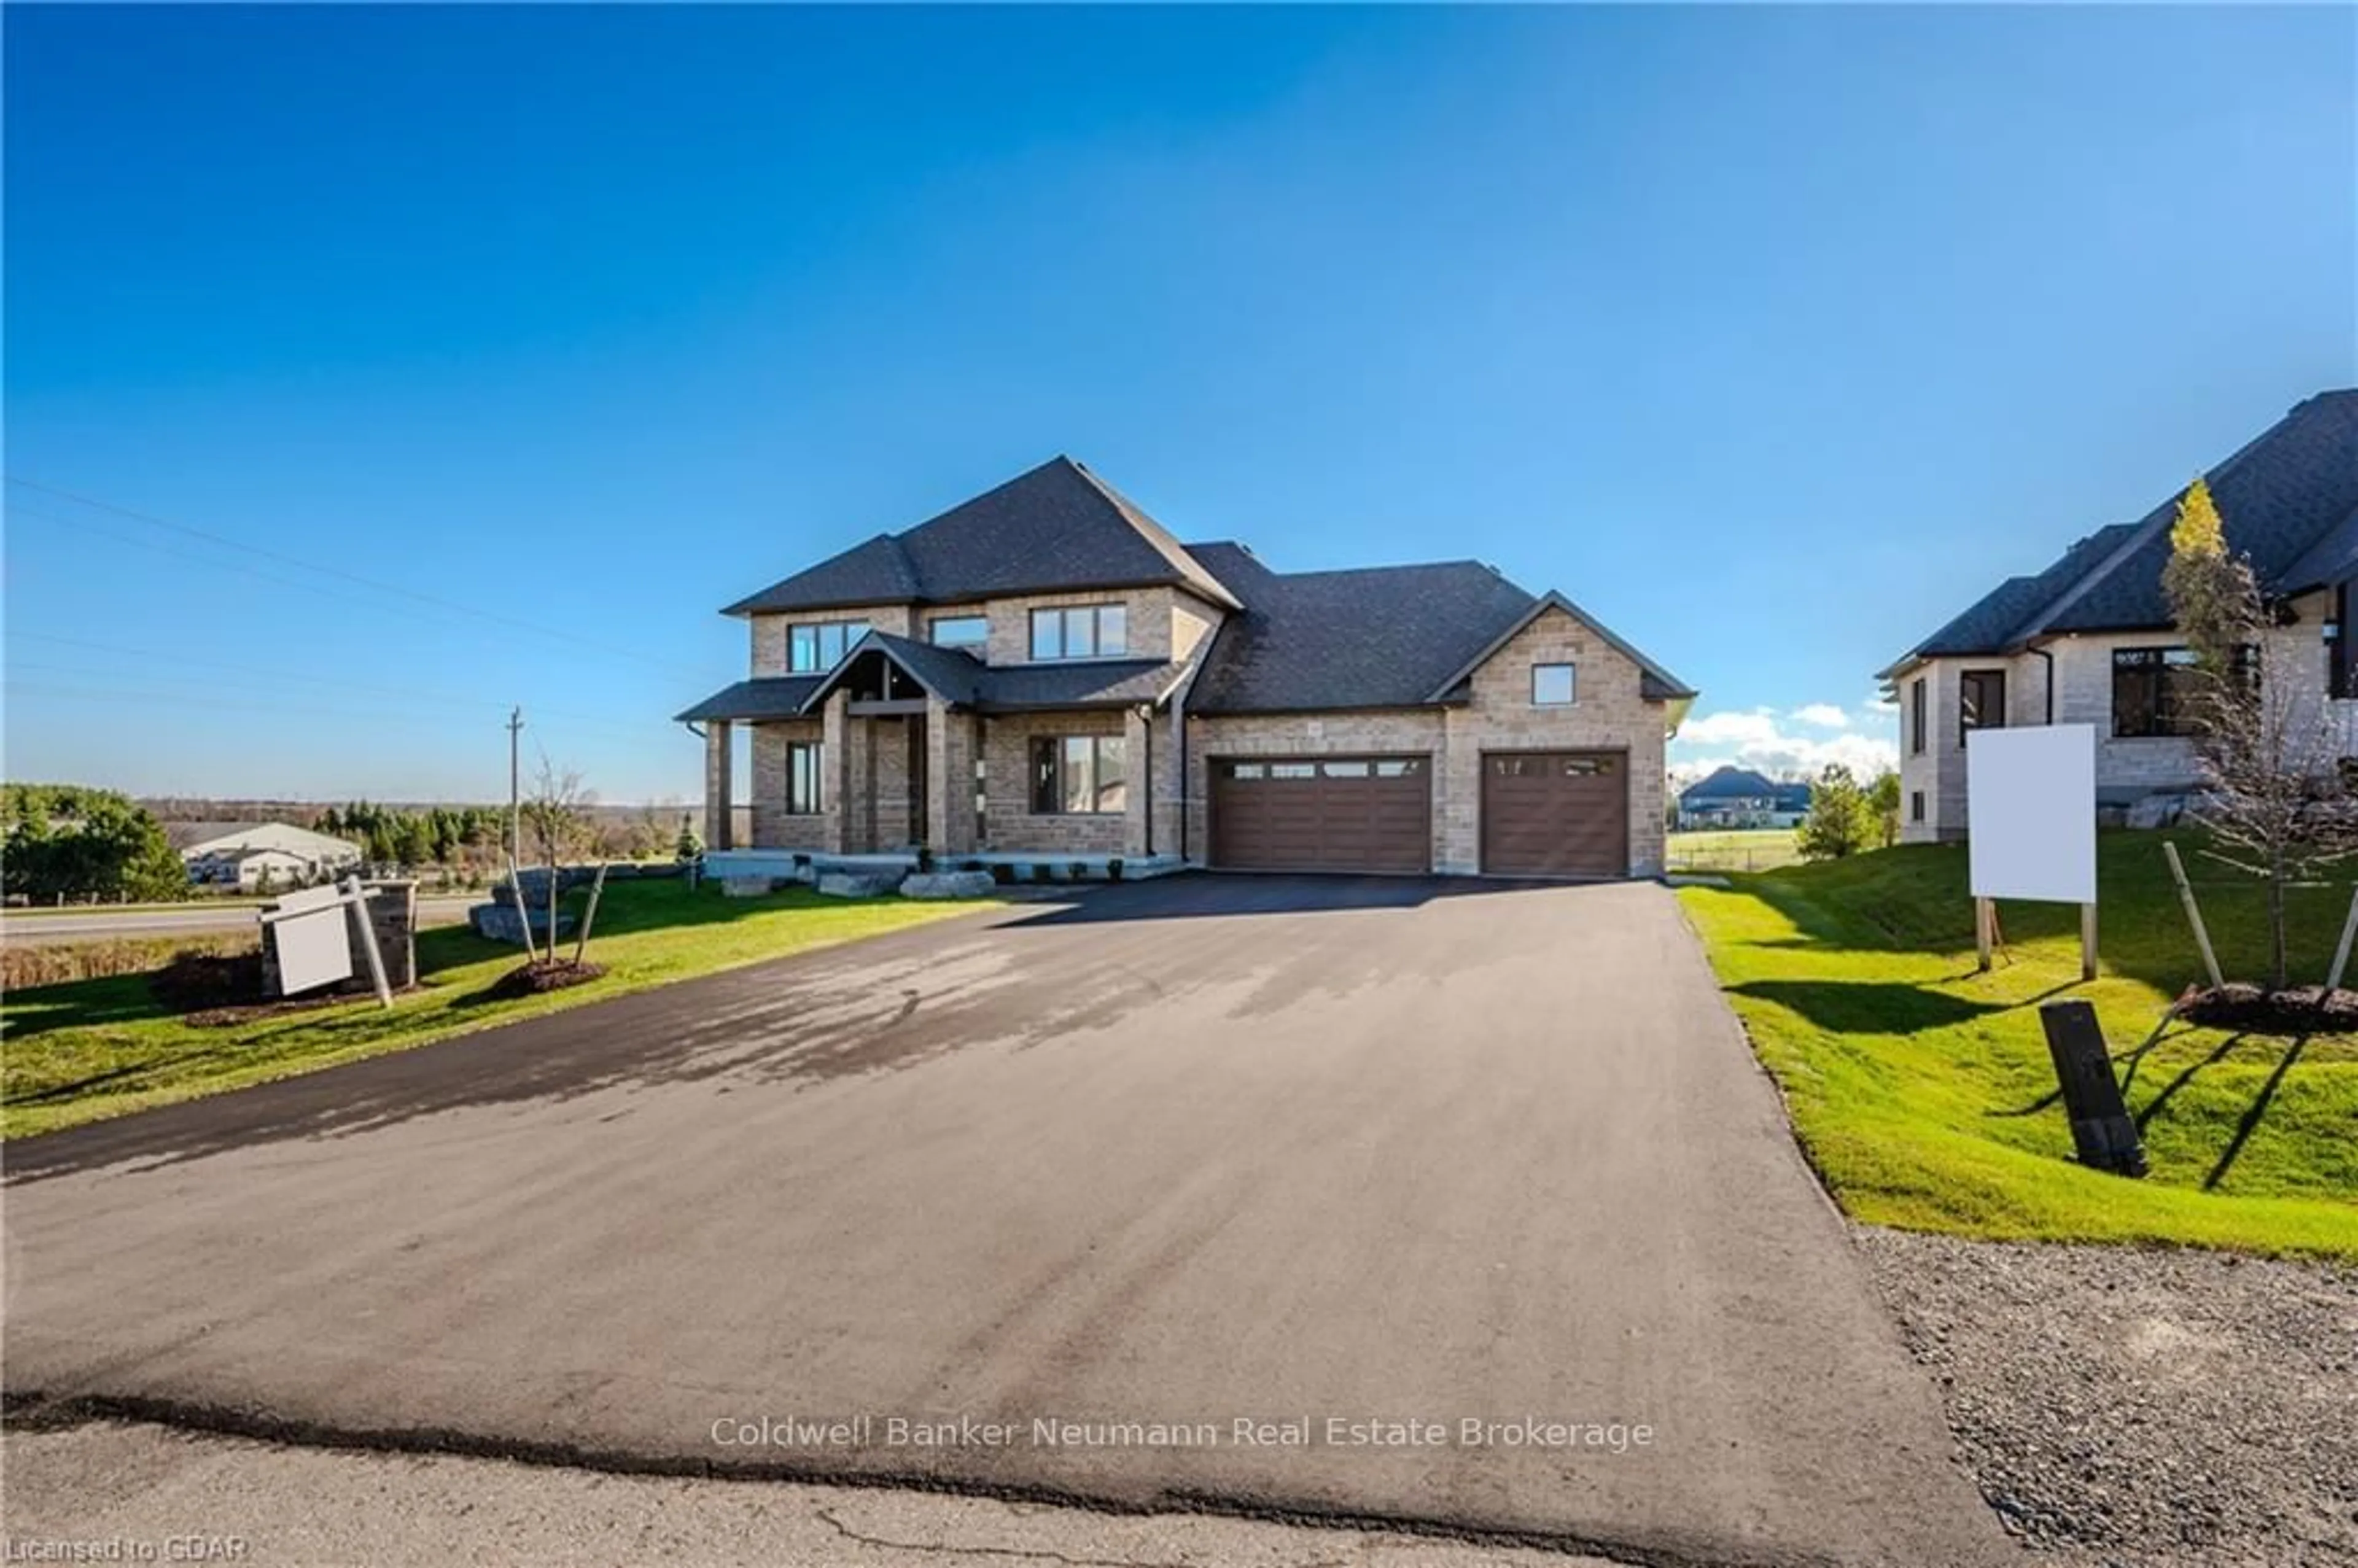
{"x":2341,"y":954}
{"x":589,"y":918}
{"x":2194,"y":916}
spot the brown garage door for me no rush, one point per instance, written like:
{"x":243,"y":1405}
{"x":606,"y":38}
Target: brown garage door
{"x":1555,"y":814}
{"x":1321,"y":814}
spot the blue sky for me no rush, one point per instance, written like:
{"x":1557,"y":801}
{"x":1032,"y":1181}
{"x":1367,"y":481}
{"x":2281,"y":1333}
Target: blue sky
{"x":1771,"y":335}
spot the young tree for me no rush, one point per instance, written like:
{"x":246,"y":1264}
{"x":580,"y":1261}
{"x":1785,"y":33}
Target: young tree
{"x":689,"y":847}
{"x":2276,"y":806}
{"x":1883,"y":797}
{"x":1840,"y":820}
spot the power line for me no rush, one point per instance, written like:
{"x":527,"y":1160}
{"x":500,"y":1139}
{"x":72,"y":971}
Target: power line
{"x":179,"y":658}
{"x":382,"y":587}
{"x":274,"y":701}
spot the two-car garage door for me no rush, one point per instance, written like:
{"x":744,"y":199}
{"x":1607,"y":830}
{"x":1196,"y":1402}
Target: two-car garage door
{"x":1545,"y":813}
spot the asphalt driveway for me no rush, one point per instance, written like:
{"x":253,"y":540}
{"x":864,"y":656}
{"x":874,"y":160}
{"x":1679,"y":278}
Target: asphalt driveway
{"x":1483,"y":1173}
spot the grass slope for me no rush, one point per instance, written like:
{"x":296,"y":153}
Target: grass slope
{"x":1923,"y":1092}
{"x":81,"y":1051}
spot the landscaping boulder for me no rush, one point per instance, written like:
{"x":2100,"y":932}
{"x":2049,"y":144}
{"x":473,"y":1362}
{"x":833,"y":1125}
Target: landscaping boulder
{"x":747,"y":887}
{"x":946,"y":884}
{"x":856,"y":884}
{"x":2161,"y":810}
{"x":500,"y":922}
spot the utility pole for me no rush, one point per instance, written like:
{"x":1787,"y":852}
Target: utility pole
{"x":516,"y":793}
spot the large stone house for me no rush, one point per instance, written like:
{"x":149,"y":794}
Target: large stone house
{"x":2089,"y":641}
{"x":1045,"y":673}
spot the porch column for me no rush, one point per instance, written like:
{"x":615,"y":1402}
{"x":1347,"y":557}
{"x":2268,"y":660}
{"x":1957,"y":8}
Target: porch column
{"x":835,"y":762}
{"x":719,"y":777}
{"x":949,"y":779}
{"x":1138,"y":794}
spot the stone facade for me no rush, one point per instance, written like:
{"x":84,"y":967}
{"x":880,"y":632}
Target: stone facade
{"x":977,"y":769}
{"x":1010,"y":826}
{"x":2292,"y":662}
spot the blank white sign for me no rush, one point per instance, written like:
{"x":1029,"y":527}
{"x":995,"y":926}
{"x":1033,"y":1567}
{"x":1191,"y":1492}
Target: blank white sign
{"x":313,"y":950}
{"x":2030,"y":809}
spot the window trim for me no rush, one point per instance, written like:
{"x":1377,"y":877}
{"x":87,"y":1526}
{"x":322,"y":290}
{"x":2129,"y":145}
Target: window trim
{"x":815,"y":628}
{"x":1097,"y":615}
{"x":816,"y":772}
{"x":1571,"y":678}
{"x":1048,"y":780}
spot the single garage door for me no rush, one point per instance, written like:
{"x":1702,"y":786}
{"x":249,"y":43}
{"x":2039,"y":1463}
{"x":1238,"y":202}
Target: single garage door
{"x":1321,"y":814}
{"x":1555,"y":814}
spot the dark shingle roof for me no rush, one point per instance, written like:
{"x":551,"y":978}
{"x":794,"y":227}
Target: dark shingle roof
{"x":1378,"y":637}
{"x":1381,"y":637}
{"x":764,"y":697}
{"x":1057,"y":528}
{"x":1110,"y":683}
{"x":2288,"y":498}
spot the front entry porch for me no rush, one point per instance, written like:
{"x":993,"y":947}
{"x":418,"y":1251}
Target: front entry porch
{"x":884,"y":760}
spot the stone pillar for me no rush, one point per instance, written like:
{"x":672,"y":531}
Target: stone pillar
{"x":1138,"y":798}
{"x":835,"y":762}
{"x":720,"y":779}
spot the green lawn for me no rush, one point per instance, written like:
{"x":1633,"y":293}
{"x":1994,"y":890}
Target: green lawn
{"x":1923,"y":1090}
{"x":1732,"y":850}
{"x":99,"y":1048}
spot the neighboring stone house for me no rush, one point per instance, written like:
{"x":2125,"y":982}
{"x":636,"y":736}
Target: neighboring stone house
{"x":1045,"y":673}
{"x":2089,"y":640}
{"x":1739,"y":798}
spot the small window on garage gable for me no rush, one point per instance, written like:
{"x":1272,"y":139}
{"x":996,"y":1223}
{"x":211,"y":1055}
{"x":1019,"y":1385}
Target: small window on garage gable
{"x":1552,"y":685}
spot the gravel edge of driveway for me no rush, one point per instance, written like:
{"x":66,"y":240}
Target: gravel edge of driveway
{"x":2141,"y":1407}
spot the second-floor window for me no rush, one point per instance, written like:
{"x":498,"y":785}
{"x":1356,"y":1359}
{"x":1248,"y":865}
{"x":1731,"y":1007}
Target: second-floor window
{"x":814,"y":648}
{"x":1552,"y":686}
{"x":1916,"y":716}
{"x":1081,"y":631}
{"x":960,"y":631}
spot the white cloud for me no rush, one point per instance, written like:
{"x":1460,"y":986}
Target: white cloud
{"x":1759,"y":739}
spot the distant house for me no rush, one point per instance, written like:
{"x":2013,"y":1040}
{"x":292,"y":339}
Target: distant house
{"x":1738,"y":798}
{"x":277,"y":853}
{"x":2090,"y":641}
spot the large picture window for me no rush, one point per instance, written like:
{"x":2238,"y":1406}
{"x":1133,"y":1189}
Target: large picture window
{"x":1079,"y":774}
{"x":806,"y":769}
{"x":2150,"y":687}
{"x":814,"y":648}
{"x":1081,"y":631}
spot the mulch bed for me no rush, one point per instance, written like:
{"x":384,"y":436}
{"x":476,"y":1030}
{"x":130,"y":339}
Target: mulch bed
{"x":211,"y":990}
{"x":534,"y":980}
{"x":2303,"y":1010}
